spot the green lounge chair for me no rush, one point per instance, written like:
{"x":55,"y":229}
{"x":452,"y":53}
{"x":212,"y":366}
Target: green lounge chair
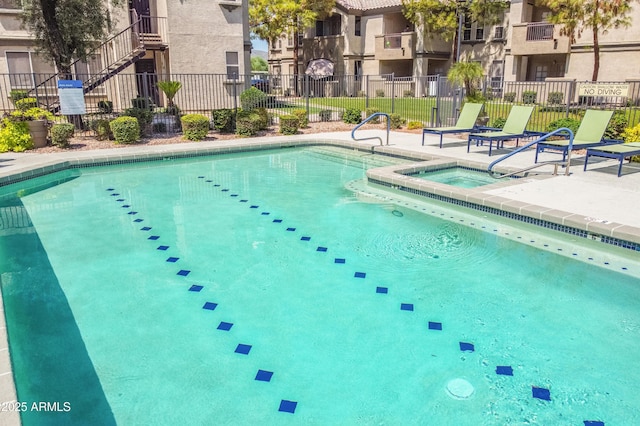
{"x":466,"y":122}
{"x":589,"y":134}
{"x":514,"y":128}
{"x":616,"y":151}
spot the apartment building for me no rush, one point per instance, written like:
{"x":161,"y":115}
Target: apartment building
{"x":372,"y":37}
{"x":157,"y":37}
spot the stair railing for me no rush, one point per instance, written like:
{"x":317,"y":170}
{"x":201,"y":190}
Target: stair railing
{"x":372,"y":116}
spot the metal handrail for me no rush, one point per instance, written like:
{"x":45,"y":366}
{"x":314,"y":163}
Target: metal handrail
{"x":540,"y":139}
{"x":375,"y":114}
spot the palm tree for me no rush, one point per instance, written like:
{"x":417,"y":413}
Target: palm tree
{"x":170,"y":88}
{"x":467,"y":73}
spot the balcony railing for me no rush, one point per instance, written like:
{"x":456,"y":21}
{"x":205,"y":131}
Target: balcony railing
{"x":539,"y":31}
{"x":393,"y":41}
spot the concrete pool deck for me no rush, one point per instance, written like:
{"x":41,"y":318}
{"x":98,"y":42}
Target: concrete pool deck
{"x":596,"y":200}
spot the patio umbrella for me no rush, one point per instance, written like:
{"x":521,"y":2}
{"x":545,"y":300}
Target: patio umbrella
{"x":319,"y":68}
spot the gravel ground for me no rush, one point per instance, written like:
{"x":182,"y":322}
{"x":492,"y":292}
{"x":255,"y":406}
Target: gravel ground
{"x":90,"y":143}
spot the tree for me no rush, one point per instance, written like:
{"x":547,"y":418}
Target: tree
{"x":598,"y":15}
{"x":467,"y":73}
{"x":66,"y":30}
{"x":271,"y":19}
{"x":440,"y":17}
{"x":258,"y":64}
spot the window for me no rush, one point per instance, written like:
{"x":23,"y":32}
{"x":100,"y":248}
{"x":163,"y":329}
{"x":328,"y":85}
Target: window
{"x":28,"y":69}
{"x":233,"y":68}
{"x":329,"y":27}
{"x":479,"y":33}
{"x":499,"y":33}
{"x":466,"y":33}
{"x":541,"y":72}
{"x":357,"y":68}
{"x":9,"y":4}
{"x":83,"y":70}
{"x":290,"y":40}
{"x":358,"y":26}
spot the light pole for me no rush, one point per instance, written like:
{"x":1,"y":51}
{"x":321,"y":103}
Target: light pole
{"x":461,"y":9}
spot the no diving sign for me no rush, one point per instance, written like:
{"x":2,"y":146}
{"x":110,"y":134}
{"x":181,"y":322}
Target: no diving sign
{"x":603,"y":89}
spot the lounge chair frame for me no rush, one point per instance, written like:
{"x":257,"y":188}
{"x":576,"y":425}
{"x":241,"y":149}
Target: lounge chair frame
{"x":617,"y":152}
{"x":469,"y":114}
{"x":514,"y":128}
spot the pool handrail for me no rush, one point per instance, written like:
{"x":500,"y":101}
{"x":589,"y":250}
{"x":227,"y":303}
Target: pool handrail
{"x":375,"y":114}
{"x":540,"y":139}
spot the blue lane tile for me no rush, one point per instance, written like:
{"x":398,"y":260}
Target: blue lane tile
{"x":120,"y":200}
{"x":291,"y":229}
{"x":163,"y":248}
{"x":153,"y":237}
{"x":145,"y":228}
{"x":115,"y":194}
{"x":467,"y":347}
{"x":305,"y":238}
{"x":360,"y":275}
{"x":225,"y":326}
{"x":244,"y":201}
{"x":173,"y":259}
{"x":288,"y":406}
{"x":138,"y":220}
{"x":382,"y":290}
{"x":224,"y":190}
{"x":265,"y":213}
{"x":593,"y":423}
{"x":243,"y":349}
{"x":541,"y":393}
{"x":264,"y":375}
{"x":406,"y":306}
{"x":504,"y":370}
{"x":339,"y":260}
{"x":196,"y":288}
{"x":124,"y":206}
{"x":216,"y":185}
{"x":233,"y":195}
{"x":200,"y":177}
{"x":210,"y":306}
{"x":132,"y":213}
{"x":277,"y":220}
{"x":110,"y":189}
{"x":183,"y":272}
{"x":322,"y":249}
{"x":435,"y":325}
{"x":253,"y":207}
{"x":208,"y":181}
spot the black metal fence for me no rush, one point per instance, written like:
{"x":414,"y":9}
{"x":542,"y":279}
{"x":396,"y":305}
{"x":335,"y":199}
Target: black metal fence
{"x":430,"y":100}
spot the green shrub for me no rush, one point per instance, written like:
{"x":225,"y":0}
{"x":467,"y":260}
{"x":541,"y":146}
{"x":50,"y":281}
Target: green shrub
{"x":570,"y":123}
{"x":617,"y":126}
{"x":379,"y":93}
{"x":17,"y":94}
{"x":248,"y":123}
{"x":105,"y":107}
{"x":632,"y":134}
{"x":35,"y":113}
{"x":102,"y":129}
{"x":498,"y":123}
{"x":407,"y":94}
{"x":369,"y":112}
{"x":303,"y":118}
{"x":144,"y":117}
{"x":265,"y":119}
{"x":253,"y":98}
{"x":555,"y":98}
{"x":529,"y":96}
{"x":412,"y":125}
{"x":396,"y":121}
{"x":125,"y":129}
{"x":289,"y":124}
{"x":223,"y":120}
{"x":325,"y":115}
{"x":15,"y":136}
{"x":141,"y":103}
{"x":352,"y":116}
{"x":194,"y":126}
{"x":361,"y":94}
{"x":509,"y":97}
{"x":26,"y":103}
{"x":61,"y":133}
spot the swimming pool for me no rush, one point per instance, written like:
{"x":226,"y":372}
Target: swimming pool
{"x":457,"y":176}
{"x":279,"y":288}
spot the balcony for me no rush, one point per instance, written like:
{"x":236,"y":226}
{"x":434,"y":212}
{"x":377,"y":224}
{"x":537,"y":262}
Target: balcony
{"x":538,"y":38}
{"x":328,"y":47}
{"x":395,"y":46}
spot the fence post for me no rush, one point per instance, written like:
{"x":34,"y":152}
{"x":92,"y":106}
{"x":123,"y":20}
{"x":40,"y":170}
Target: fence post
{"x":33,"y":81}
{"x":366,"y":92}
{"x":437,"y":122}
{"x":393,"y":92}
{"x":306,"y":92}
{"x":570,"y":98}
{"x":145,"y":89}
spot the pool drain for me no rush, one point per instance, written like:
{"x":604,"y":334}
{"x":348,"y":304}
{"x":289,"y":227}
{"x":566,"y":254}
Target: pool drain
{"x":460,"y":389}
{"x":397,"y":213}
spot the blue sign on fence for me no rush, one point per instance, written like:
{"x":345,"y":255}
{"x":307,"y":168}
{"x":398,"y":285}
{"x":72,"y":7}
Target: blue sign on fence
{"x":71,"y":97}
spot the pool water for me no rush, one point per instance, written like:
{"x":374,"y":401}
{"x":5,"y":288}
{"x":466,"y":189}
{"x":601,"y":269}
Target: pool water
{"x":460,"y":177}
{"x":258,"y":289}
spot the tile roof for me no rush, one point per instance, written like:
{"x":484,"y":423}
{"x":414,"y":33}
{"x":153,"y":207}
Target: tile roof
{"x":368,"y":4}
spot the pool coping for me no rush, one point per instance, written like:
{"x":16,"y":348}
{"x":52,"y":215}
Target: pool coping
{"x":395,"y":176}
